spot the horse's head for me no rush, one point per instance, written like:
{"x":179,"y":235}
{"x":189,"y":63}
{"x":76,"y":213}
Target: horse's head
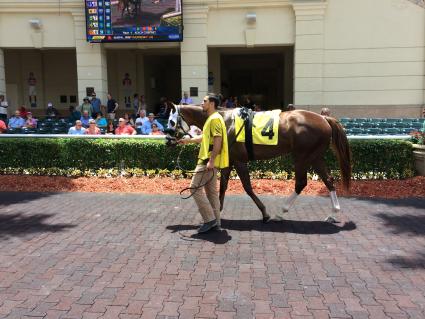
{"x":177,"y":126}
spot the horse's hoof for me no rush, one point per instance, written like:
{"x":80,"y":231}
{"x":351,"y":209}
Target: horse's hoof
{"x":331,"y":219}
{"x":266,"y":219}
{"x":279,"y":217}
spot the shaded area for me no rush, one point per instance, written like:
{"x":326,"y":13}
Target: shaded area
{"x":410,"y":224}
{"x":9,"y":198}
{"x":413,"y":263}
{"x":19,"y":224}
{"x":188,"y":232}
{"x":286,"y":226}
{"x":401,"y":202}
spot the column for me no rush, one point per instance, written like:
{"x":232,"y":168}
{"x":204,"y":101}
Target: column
{"x":2,"y":74}
{"x":309,"y":53}
{"x":194,"y":51}
{"x":91,"y":62}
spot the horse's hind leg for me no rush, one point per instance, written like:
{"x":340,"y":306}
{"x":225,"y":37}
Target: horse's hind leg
{"x":320,"y":168}
{"x":243,"y":173}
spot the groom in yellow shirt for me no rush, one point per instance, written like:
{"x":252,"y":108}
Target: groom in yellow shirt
{"x":213,"y":155}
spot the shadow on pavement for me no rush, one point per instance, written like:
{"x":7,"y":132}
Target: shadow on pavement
{"x":413,"y":263}
{"x":402,"y":224}
{"x":286,"y":226}
{"x":188,"y":232}
{"x":19,"y":224}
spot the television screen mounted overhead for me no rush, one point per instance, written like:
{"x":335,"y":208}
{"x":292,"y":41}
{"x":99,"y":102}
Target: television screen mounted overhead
{"x":134,"y":21}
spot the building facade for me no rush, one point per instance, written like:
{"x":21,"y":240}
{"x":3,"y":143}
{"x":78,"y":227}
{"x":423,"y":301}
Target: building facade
{"x":357,"y":57}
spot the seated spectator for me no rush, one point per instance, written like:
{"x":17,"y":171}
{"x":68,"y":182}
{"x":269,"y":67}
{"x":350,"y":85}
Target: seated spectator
{"x":229,"y":103}
{"x":30,"y":122}
{"x":78,"y":129}
{"x":257,"y":108}
{"x":23,"y":111}
{"x":325,"y":111}
{"x":155,"y":130}
{"x":85,"y":119}
{"x":124,"y":129}
{"x":3,"y":127}
{"x":93,"y":129}
{"x":16,"y":121}
{"x":129,"y":119}
{"x":141,"y":119}
{"x":51,"y":111}
{"x":101,"y":121}
{"x":3,"y":107}
{"x":74,"y":114}
{"x":147,"y":126}
{"x":236,"y":102}
{"x":110,"y":129}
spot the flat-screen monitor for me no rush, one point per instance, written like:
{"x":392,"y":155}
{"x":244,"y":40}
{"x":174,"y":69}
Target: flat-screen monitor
{"x":134,"y":20}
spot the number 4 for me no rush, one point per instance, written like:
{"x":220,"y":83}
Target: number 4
{"x":268,"y":129}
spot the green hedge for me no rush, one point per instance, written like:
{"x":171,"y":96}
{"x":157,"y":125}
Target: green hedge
{"x":371,"y":158}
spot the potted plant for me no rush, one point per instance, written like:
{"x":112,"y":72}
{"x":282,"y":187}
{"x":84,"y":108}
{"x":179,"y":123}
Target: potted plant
{"x":418,"y":140}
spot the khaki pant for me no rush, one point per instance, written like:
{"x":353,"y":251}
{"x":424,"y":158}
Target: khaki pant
{"x":208,"y":203}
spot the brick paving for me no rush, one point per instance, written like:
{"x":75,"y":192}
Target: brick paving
{"x":81,"y":255}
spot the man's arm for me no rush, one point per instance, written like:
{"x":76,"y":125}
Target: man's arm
{"x":116,"y":106}
{"x":195,"y":140}
{"x":217,"y":144}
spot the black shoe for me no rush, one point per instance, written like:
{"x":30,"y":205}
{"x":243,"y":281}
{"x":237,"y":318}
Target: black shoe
{"x":207,"y":226}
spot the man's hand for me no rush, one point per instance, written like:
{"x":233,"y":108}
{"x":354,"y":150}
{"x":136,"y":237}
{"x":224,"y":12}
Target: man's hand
{"x":210,"y":165}
{"x":184,"y":141}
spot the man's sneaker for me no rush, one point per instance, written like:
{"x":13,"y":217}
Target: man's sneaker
{"x":207,"y":226}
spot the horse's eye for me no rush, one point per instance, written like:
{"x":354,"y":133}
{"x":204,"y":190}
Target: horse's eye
{"x":172,"y":123}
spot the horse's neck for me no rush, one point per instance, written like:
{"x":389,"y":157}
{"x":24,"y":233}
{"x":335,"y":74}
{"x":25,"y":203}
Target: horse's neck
{"x":196,"y":116}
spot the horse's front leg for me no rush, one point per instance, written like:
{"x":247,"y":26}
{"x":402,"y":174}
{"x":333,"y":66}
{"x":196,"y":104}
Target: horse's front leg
{"x":243,"y":173}
{"x":224,"y":181}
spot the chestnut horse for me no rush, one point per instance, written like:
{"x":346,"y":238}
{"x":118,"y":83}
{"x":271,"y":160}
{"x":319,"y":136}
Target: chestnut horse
{"x":306,"y":135}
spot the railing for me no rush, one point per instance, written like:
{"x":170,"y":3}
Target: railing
{"x":162,"y":137}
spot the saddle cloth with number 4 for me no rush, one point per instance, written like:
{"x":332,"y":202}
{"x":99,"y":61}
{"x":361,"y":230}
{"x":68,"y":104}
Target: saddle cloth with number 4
{"x":265,"y":126}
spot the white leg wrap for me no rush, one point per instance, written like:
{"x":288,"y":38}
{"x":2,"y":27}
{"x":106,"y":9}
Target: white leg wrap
{"x":289,"y":202}
{"x":335,"y":202}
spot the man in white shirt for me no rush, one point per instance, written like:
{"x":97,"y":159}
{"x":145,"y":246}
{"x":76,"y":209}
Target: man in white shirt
{"x":142,"y":119}
{"x":3,"y":108}
{"x":186,"y":99}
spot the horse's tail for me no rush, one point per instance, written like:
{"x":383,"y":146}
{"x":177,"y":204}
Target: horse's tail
{"x":342,"y":150}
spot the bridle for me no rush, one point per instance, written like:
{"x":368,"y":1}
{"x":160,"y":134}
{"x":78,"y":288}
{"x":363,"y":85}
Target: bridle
{"x":179,"y":123}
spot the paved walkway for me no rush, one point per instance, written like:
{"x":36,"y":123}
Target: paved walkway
{"x":78,"y":255}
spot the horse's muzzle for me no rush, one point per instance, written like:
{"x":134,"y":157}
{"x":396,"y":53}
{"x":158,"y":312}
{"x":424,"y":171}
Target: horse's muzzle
{"x":171,"y":141}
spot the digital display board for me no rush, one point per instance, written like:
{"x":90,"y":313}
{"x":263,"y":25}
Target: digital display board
{"x":134,"y":20}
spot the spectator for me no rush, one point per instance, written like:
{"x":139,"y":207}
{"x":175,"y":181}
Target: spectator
{"x":16,"y":121}
{"x":137,"y":105}
{"x":92,"y":129}
{"x":110,"y":129}
{"x":86,"y":107}
{"x":74,"y":114}
{"x":30,"y":122}
{"x":257,"y":108}
{"x":249,"y":104}
{"x":23,"y":111}
{"x":129,"y":119}
{"x":141,"y":119}
{"x":111,"y":106}
{"x":85,"y":119}
{"x":96,"y":105}
{"x":124,"y":129}
{"x":325,"y":111}
{"x":155,"y":130}
{"x":291,"y":107}
{"x":186,"y":99}
{"x":78,"y":129}
{"x":101,"y":121}
{"x":423,"y":115}
{"x":229,"y":103}
{"x":51,"y":111}
{"x":3,"y":108}
{"x":236,"y":102}
{"x":3,"y":127}
{"x":147,"y":126}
